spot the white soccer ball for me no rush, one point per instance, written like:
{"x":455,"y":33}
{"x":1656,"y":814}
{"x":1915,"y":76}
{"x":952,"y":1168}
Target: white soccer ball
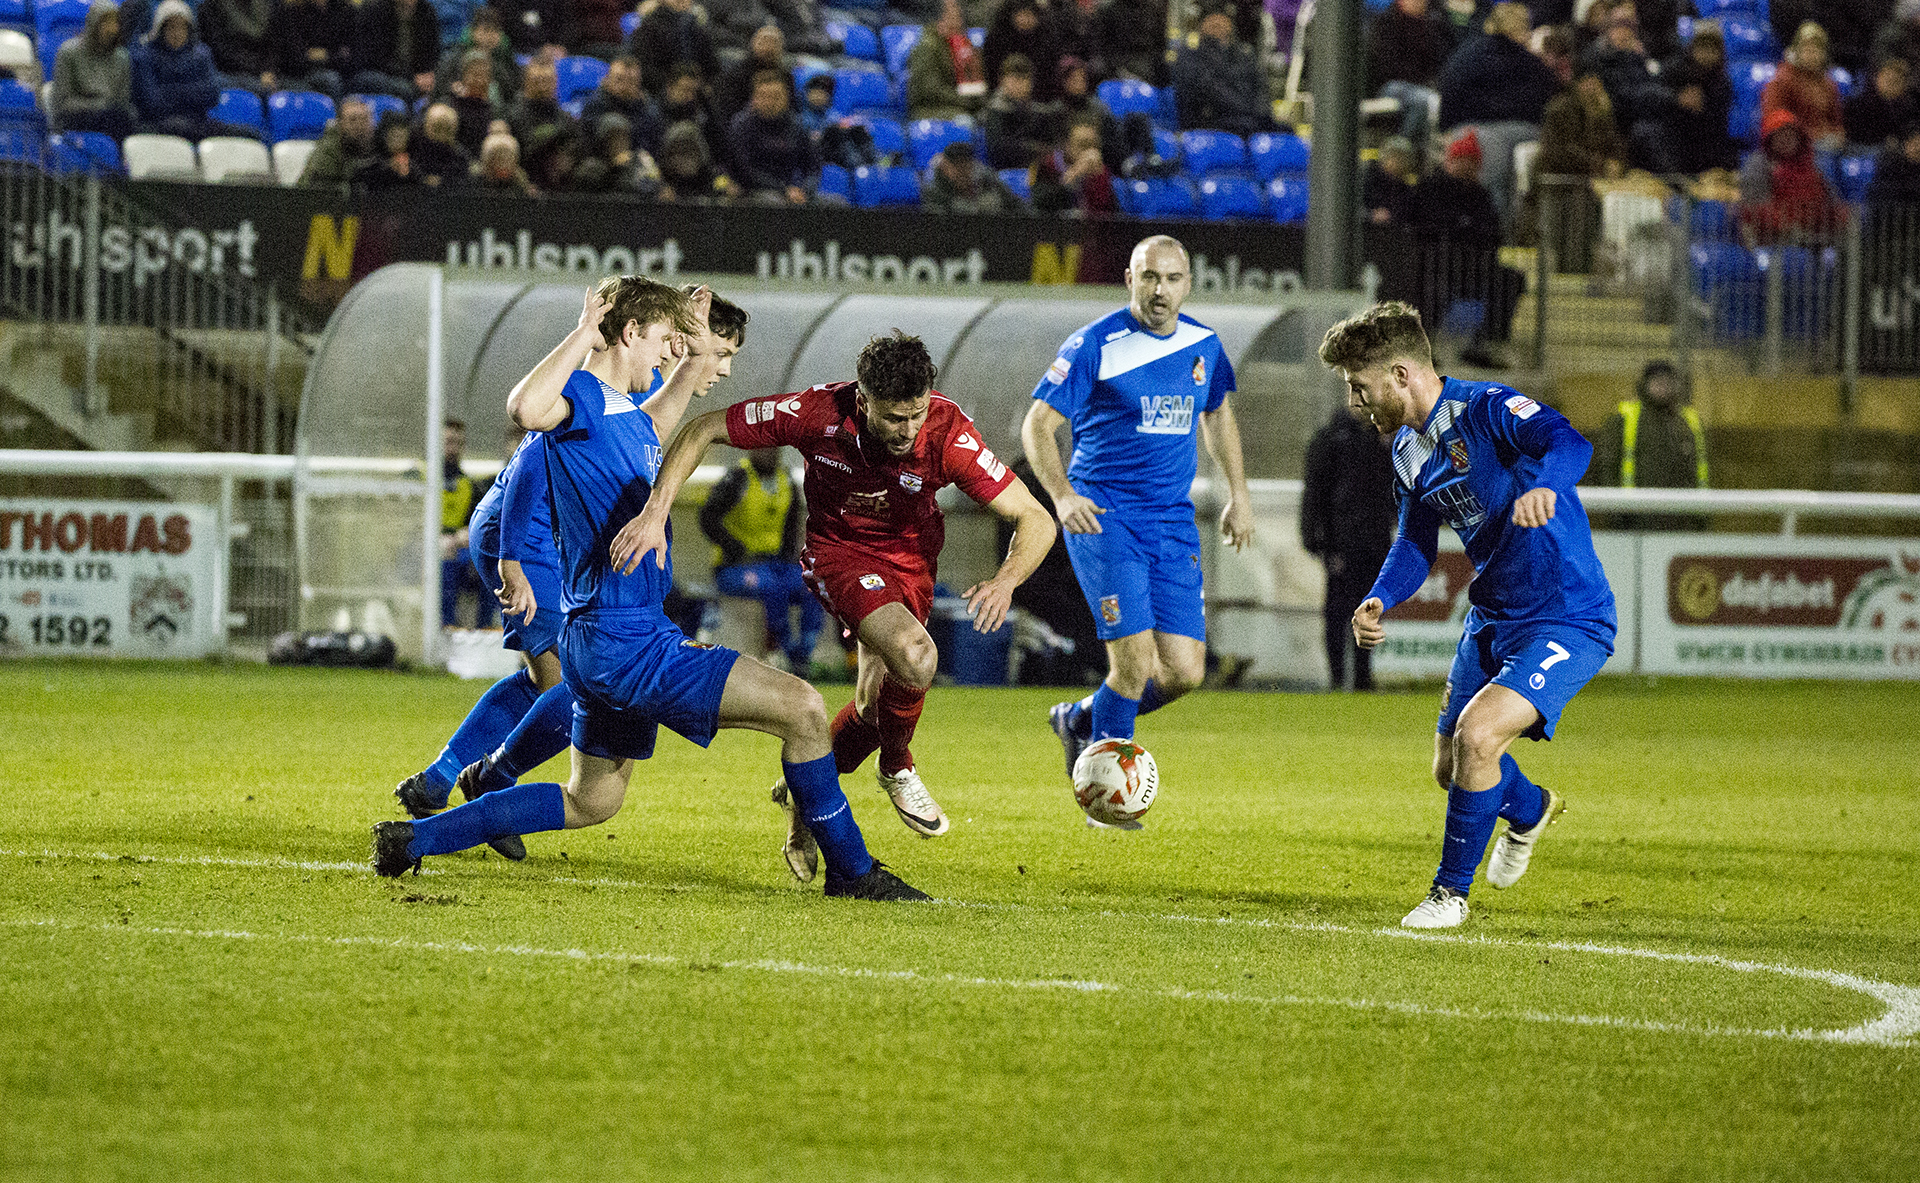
{"x":1115,"y":780}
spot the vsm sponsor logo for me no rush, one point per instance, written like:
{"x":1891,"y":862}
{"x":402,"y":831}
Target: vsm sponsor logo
{"x":829,"y":263}
{"x":60,"y":241}
{"x":520,"y":251}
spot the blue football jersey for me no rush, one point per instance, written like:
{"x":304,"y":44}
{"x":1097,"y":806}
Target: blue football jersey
{"x":1480,"y":450}
{"x":526,"y":535}
{"x":601,"y":463}
{"x":1132,"y":398}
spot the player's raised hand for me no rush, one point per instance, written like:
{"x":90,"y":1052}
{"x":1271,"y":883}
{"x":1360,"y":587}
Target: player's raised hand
{"x":1534,"y":507}
{"x":1236,"y":524}
{"x":515,"y":593}
{"x":1077,"y":514}
{"x":1367,"y":630}
{"x":704,"y":341}
{"x":636,"y":540}
{"x":987,"y":603}
{"x":593,"y":315}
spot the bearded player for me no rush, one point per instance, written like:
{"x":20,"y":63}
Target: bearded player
{"x":877,"y":450}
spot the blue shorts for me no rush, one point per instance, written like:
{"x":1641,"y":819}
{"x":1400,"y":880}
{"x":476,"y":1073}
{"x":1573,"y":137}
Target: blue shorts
{"x":544,"y":632}
{"x":1140,"y":574}
{"x":631,"y":671}
{"x":1545,"y":662}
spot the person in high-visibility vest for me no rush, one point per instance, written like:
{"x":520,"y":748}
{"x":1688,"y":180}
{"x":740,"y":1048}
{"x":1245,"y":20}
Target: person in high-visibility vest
{"x":1653,"y":441}
{"x":753,"y":517}
{"x":458,"y":496}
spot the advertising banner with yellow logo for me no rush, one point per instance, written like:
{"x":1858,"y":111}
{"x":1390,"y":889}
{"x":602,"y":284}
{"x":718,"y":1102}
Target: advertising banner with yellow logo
{"x":1765,"y":606}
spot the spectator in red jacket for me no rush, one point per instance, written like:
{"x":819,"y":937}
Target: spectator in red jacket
{"x":1783,"y":194}
{"x":1802,"y":88}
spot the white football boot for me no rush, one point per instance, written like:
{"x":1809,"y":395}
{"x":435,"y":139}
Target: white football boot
{"x":913,"y":803}
{"x":801,"y":851}
{"x":1443,"y":908}
{"x":1514,"y":847}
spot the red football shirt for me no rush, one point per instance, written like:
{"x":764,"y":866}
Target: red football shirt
{"x":860,"y":495}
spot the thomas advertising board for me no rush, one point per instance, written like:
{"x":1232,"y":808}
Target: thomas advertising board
{"x":106,"y":579}
{"x":1765,"y":606}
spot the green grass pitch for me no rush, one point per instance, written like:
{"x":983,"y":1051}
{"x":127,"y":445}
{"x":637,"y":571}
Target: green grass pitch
{"x":1711,"y":972}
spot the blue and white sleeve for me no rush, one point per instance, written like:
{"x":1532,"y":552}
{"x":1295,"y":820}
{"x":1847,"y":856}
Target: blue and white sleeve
{"x":1069,"y":380}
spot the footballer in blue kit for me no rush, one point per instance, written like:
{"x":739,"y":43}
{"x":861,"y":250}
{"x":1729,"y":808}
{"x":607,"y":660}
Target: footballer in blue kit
{"x":1500,"y":469}
{"x":1137,"y":388}
{"x":628,"y":667}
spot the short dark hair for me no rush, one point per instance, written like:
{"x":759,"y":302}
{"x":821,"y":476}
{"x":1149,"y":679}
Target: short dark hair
{"x":486,"y":17}
{"x":724,"y":317}
{"x":1385,"y":331}
{"x":895,"y":368}
{"x":1018,"y":65}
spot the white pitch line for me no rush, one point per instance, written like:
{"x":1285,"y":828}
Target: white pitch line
{"x":1896,"y":1027}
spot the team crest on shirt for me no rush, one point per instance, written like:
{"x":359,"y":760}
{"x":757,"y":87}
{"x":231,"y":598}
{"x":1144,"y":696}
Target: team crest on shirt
{"x":910,"y":482}
{"x":1199,"y":371}
{"x":1110,"y":609}
{"x":872,"y":582}
{"x":1457,"y":454}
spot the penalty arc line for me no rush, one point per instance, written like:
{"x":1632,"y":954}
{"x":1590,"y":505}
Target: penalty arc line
{"x":1896,"y":1027}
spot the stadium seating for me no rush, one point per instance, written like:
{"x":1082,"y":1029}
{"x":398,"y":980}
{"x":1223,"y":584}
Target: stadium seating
{"x":896,"y":45}
{"x":1016,"y":180}
{"x":1167,"y":144}
{"x":290,"y":159}
{"x":1749,"y":39}
{"x":834,"y":182}
{"x":1725,"y":8}
{"x":1727,"y":278}
{"x":1707,"y":221}
{"x":1231,"y":197}
{"x":241,"y":107}
{"x":629,"y":21}
{"x":1843,"y":79}
{"x":1856,"y":177}
{"x":1274,"y":155}
{"x":1155,"y":198}
{"x":889,"y":138}
{"x":861,"y":92}
{"x":856,"y":40}
{"x":1287,"y":200}
{"x":160,"y":158}
{"x":17,"y":105}
{"x":1208,"y":152}
{"x":882,"y":186}
{"x":234,"y":158}
{"x":54,"y":21}
{"x":381,"y":104}
{"x":84,"y":152}
{"x":16,"y":49}
{"x":1749,"y":79}
{"x":926,"y":138}
{"x":297,"y":115}
{"x":574,"y":108}
{"x":21,"y":147}
{"x":1126,"y":96}
{"x":15,"y":16}
{"x":1463,"y":318}
{"x":579,"y":75}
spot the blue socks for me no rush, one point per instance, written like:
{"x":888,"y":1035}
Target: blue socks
{"x":544,"y":733}
{"x":523,"y":809}
{"x":1522,"y":802}
{"x":1470,"y":821}
{"x":504,"y":704}
{"x":1120,"y":712}
{"x":815,"y":786}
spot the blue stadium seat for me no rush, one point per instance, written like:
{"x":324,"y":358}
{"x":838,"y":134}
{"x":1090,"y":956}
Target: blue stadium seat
{"x":1807,"y":275}
{"x":889,"y":138}
{"x":926,"y":137}
{"x":1856,"y":176}
{"x":579,"y":75}
{"x":1125,"y":96}
{"x":1378,"y":6}
{"x":20,"y":145}
{"x":856,"y":40}
{"x":381,"y":104}
{"x":629,"y":21}
{"x":1167,"y":144}
{"x":806,"y":71}
{"x":884,"y":186}
{"x":1231,"y":197}
{"x":15,"y":14}
{"x":1707,"y":221}
{"x":85,"y":152}
{"x":1169,"y":116}
{"x":242,"y":107}
{"x":1210,"y":152}
{"x":1287,"y":200}
{"x":1725,"y":8}
{"x":1016,"y":180}
{"x":20,"y":115}
{"x":1749,"y":38}
{"x":896,"y":45}
{"x":835,"y":182}
{"x":48,"y":38}
{"x":48,"y":13}
{"x":1275,"y":155}
{"x":1123,"y":192}
{"x":977,"y":35}
{"x":1726,"y":276}
{"x":1843,"y":79}
{"x":861,"y":92}
{"x":1164,"y":199}
{"x":297,"y":115}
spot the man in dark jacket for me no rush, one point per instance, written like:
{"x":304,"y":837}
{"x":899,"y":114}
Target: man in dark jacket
{"x":174,"y":83}
{"x":734,"y":88}
{"x":1496,"y":86}
{"x":1406,"y":47}
{"x":1876,"y":116}
{"x":1219,"y":83}
{"x":772,"y":156}
{"x":619,"y":94}
{"x":1653,"y":441}
{"x":93,"y":77}
{"x":397,"y":44}
{"x":1896,"y":173}
{"x":1458,"y":233}
{"x":346,"y":147}
{"x":435,"y":154}
{"x":313,"y":44}
{"x":536,"y":113}
{"x":1692,"y":134}
{"x":236,"y":32}
{"x":1347,"y":521}
{"x":674,"y":32}
{"x":1018,"y":130}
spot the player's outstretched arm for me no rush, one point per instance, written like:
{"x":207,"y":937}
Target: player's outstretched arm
{"x":538,"y":401}
{"x":1221,"y":431}
{"x":647,"y":533}
{"x":1077,"y":514}
{"x":1367,"y":629}
{"x":988,"y":602}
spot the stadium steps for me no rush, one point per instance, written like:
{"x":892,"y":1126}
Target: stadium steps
{"x":38,"y":375}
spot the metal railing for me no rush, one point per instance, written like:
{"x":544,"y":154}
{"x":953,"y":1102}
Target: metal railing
{"x":165,"y":320}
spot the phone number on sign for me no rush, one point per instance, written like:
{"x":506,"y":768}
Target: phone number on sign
{"x":73,"y":632}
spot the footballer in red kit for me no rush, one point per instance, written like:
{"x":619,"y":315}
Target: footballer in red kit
{"x":877,"y":450}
